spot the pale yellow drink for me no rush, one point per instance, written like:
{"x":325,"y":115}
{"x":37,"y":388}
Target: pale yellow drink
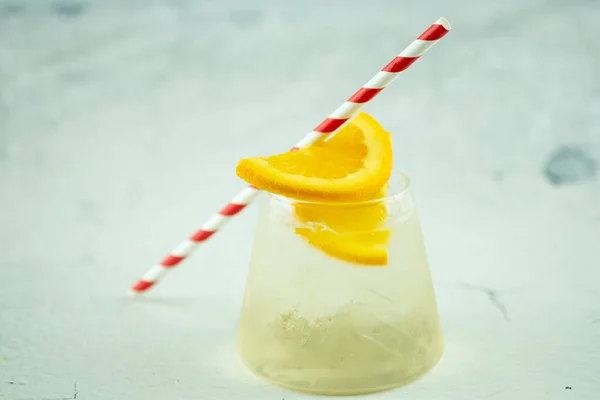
{"x":315,"y":323}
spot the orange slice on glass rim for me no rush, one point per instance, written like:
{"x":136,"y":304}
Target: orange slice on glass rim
{"x":353,"y":165}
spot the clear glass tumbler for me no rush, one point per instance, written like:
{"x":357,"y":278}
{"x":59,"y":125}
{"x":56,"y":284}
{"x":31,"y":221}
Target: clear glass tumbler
{"x":315,"y":323}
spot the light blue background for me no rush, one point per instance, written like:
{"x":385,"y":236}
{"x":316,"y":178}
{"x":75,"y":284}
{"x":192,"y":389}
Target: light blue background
{"x":121,"y":123}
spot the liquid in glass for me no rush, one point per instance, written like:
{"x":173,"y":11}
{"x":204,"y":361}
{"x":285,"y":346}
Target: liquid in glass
{"x":315,"y":323}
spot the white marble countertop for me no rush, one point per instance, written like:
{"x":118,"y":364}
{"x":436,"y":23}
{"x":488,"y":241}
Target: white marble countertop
{"x":120,"y":126}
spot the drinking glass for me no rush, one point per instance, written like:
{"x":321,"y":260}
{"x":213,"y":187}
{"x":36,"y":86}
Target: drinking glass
{"x":313,"y":322}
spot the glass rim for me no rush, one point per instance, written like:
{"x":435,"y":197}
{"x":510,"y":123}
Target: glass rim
{"x":395,"y":195}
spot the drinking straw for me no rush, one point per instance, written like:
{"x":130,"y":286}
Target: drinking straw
{"x":330,"y":125}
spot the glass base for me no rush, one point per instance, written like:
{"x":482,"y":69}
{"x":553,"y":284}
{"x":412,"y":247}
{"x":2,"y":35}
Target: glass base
{"x":364,"y":383}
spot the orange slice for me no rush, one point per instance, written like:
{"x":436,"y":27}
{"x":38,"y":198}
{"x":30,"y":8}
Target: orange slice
{"x":352,"y":166}
{"x":366,"y":248}
{"x":350,"y":232}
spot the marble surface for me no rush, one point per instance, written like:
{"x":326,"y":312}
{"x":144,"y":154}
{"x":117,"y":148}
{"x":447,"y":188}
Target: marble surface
{"x":120,"y":126}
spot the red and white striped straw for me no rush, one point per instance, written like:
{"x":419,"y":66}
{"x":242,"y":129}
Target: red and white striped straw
{"x":329,"y":126}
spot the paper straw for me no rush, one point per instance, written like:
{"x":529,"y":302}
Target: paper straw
{"x":329,"y":126}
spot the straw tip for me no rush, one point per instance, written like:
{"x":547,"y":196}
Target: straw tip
{"x":444,"y":22}
{"x":132,"y":293}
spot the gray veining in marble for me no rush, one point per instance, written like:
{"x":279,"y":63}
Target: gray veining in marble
{"x":120,"y":126}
